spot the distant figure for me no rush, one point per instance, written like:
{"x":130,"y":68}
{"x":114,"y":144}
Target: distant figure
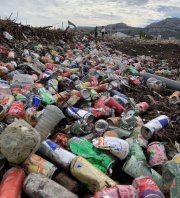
{"x":103,"y":31}
{"x":96,"y":31}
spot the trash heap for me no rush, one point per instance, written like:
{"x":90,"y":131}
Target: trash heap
{"x":75,"y":122}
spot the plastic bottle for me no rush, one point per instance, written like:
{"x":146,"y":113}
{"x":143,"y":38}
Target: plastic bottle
{"x":49,"y":118}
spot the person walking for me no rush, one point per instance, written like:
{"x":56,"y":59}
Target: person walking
{"x":103,"y":31}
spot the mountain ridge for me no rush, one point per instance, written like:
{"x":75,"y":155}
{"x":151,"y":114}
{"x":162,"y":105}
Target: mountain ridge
{"x":169,"y":27}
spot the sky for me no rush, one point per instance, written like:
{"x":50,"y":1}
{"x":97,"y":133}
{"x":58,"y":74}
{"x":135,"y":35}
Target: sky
{"x":138,"y":13}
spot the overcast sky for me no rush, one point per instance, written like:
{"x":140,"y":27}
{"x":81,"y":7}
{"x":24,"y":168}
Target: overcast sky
{"x":90,"y":12}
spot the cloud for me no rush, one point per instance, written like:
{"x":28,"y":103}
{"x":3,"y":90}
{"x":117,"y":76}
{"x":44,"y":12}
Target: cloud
{"x":171,"y":10}
{"x":90,"y":12}
{"x":136,"y":2}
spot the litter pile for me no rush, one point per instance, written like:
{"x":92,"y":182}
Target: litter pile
{"x":80,"y":119}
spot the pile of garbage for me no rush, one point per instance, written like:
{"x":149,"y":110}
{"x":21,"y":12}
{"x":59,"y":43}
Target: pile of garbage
{"x":78,"y":119}
{"x":164,"y":52}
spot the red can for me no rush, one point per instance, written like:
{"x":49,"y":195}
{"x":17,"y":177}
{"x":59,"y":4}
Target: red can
{"x":66,"y":74}
{"x":12,"y":183}
{"x":16,"y":110}
{"x":147,"y":188}
{"x":112,"y":103}
{"x":100,"y":109}
{"x":93,"y":80}
{"x":50,"y":66}
{"x":101,"y":88}
{"x":119,"y":191}
{"x":134,"y":80}
{"x":157,"y":154}
{"x":142,"y":107}
{"x":26,"y":89}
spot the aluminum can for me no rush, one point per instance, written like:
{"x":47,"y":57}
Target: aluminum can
{"x":36,"y":164}
{"x":72,"y":101}
{"x":77,"y":113}
{"x":36,"y":101}
{"x":134,"y":80}
{"x":101,"y":88}
{"x":62,"y":97}
{"x":94,"y":95}
{"x":87,"y":84}
{"x":114,"y":121}
{"x":128,"y":121}
{"x":120,"y":131}
{"x":89,"y":175}
{"x":81,"y":128}
{"x":84,"y":93}
{"x":154,"y":125}
{"x":136,"y":168}
{"x":60,"y":156}
{"x":118,"y":147}
{"x":157,"y":154}
{"x":16,"y":110}
{"x":142,"y":107}
{"x":136,"y":150}
{"x":37,"y":185}
{"x":119,"y":191}
{"x":121,"y":100}
{"x":110,"y":134}
{"x":175,"y":98}
{"x":112,"y":103}
{"x":12,"y":183}
{"x":93,"y":80}
{"x":147,"y":188}
{"x":115,"y":92}
{"x":101,"y":111}
{"x":101,"y":126}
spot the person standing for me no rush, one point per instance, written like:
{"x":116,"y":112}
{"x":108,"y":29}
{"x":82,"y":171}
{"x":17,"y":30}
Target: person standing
{"x":103,"y":30}
{"x":96,"y":32}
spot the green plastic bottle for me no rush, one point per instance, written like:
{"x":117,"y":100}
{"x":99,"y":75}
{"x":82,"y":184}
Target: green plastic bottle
{"x":46,"y":96}
{"x":20,"y":97}
{"x":95,"y":156}
{"x":132,"y":70}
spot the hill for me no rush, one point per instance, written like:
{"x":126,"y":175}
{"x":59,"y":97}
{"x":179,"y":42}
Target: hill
{"x":169,"y":27}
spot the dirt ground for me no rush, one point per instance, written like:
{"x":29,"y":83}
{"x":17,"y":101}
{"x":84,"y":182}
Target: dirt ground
{"x":160,"y":51}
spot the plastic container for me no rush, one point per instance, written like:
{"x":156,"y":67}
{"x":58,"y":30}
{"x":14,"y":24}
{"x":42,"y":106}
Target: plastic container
{"x":49,"y":118}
